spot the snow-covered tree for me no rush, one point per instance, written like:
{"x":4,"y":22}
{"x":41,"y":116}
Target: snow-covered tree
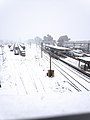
{"x":62,"y":40}
{"x":38,"y":40}
{"x":48,"y":39}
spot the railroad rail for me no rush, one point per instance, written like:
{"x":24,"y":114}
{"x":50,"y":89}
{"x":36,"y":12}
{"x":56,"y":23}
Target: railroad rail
{"x":58,"y":57}
{"x":81,"y":84}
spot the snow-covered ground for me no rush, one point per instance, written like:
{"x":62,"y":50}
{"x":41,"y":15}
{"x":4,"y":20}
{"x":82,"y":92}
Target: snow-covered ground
{"x":25,"y":75}
{"x":27,"y":92}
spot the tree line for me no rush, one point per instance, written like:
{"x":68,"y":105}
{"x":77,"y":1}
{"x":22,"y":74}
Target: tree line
{"x":48,"y":39}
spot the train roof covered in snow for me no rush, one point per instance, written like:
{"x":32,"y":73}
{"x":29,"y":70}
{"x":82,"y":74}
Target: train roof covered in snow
{"x":57,"y":47}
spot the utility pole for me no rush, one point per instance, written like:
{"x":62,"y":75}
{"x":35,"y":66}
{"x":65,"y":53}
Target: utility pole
{"x":2,"y":53}
{"x":50,"y":65}
{"x":88,"y":47}
{"x":1,"y":60}
{"x":41,"y":49}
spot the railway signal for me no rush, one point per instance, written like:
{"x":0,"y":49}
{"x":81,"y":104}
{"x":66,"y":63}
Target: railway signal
{"x":50,"y":71}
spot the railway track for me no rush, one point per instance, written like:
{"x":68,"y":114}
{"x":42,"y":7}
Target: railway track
{"x":25,"y":80}
{"x":80,"y":74}
{"x":37,"y":84}
{"x":75,"y":79}
{"x":19,"y":78}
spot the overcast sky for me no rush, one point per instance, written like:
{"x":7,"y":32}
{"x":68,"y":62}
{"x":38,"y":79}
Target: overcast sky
{"x":26,"y":19}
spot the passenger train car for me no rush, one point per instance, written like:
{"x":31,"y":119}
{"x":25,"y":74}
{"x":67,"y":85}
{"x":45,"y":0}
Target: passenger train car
{"x":16,"y":49}
{"x":22,"y":49}
{"x":60,"y":51}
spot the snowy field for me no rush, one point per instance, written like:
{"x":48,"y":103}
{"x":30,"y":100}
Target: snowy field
{"x":27,"y":92}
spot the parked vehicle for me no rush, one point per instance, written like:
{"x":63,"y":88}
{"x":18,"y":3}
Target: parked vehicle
{"x":16,"y":49}
{"x":22,"y":50}
{"x":22,"y":53}
{"x":11,"y":47}
{"x":22,"y":45}
{"x":76,"y":53}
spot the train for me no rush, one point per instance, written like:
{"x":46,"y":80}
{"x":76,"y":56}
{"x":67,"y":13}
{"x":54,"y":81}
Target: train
{"x":19,"y":49}
{"x":56,"y":50}
{"x":22,"y":50}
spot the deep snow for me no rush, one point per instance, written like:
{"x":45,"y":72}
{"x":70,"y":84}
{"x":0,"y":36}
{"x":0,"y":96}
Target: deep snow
{"x":27,"y":91}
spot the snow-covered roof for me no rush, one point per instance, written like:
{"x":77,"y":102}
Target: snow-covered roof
{"x":57,"y":47}
{"x":86,"y":59}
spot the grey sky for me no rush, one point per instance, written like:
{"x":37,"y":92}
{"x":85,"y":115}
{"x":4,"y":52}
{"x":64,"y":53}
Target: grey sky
{"x":24,"y":19}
